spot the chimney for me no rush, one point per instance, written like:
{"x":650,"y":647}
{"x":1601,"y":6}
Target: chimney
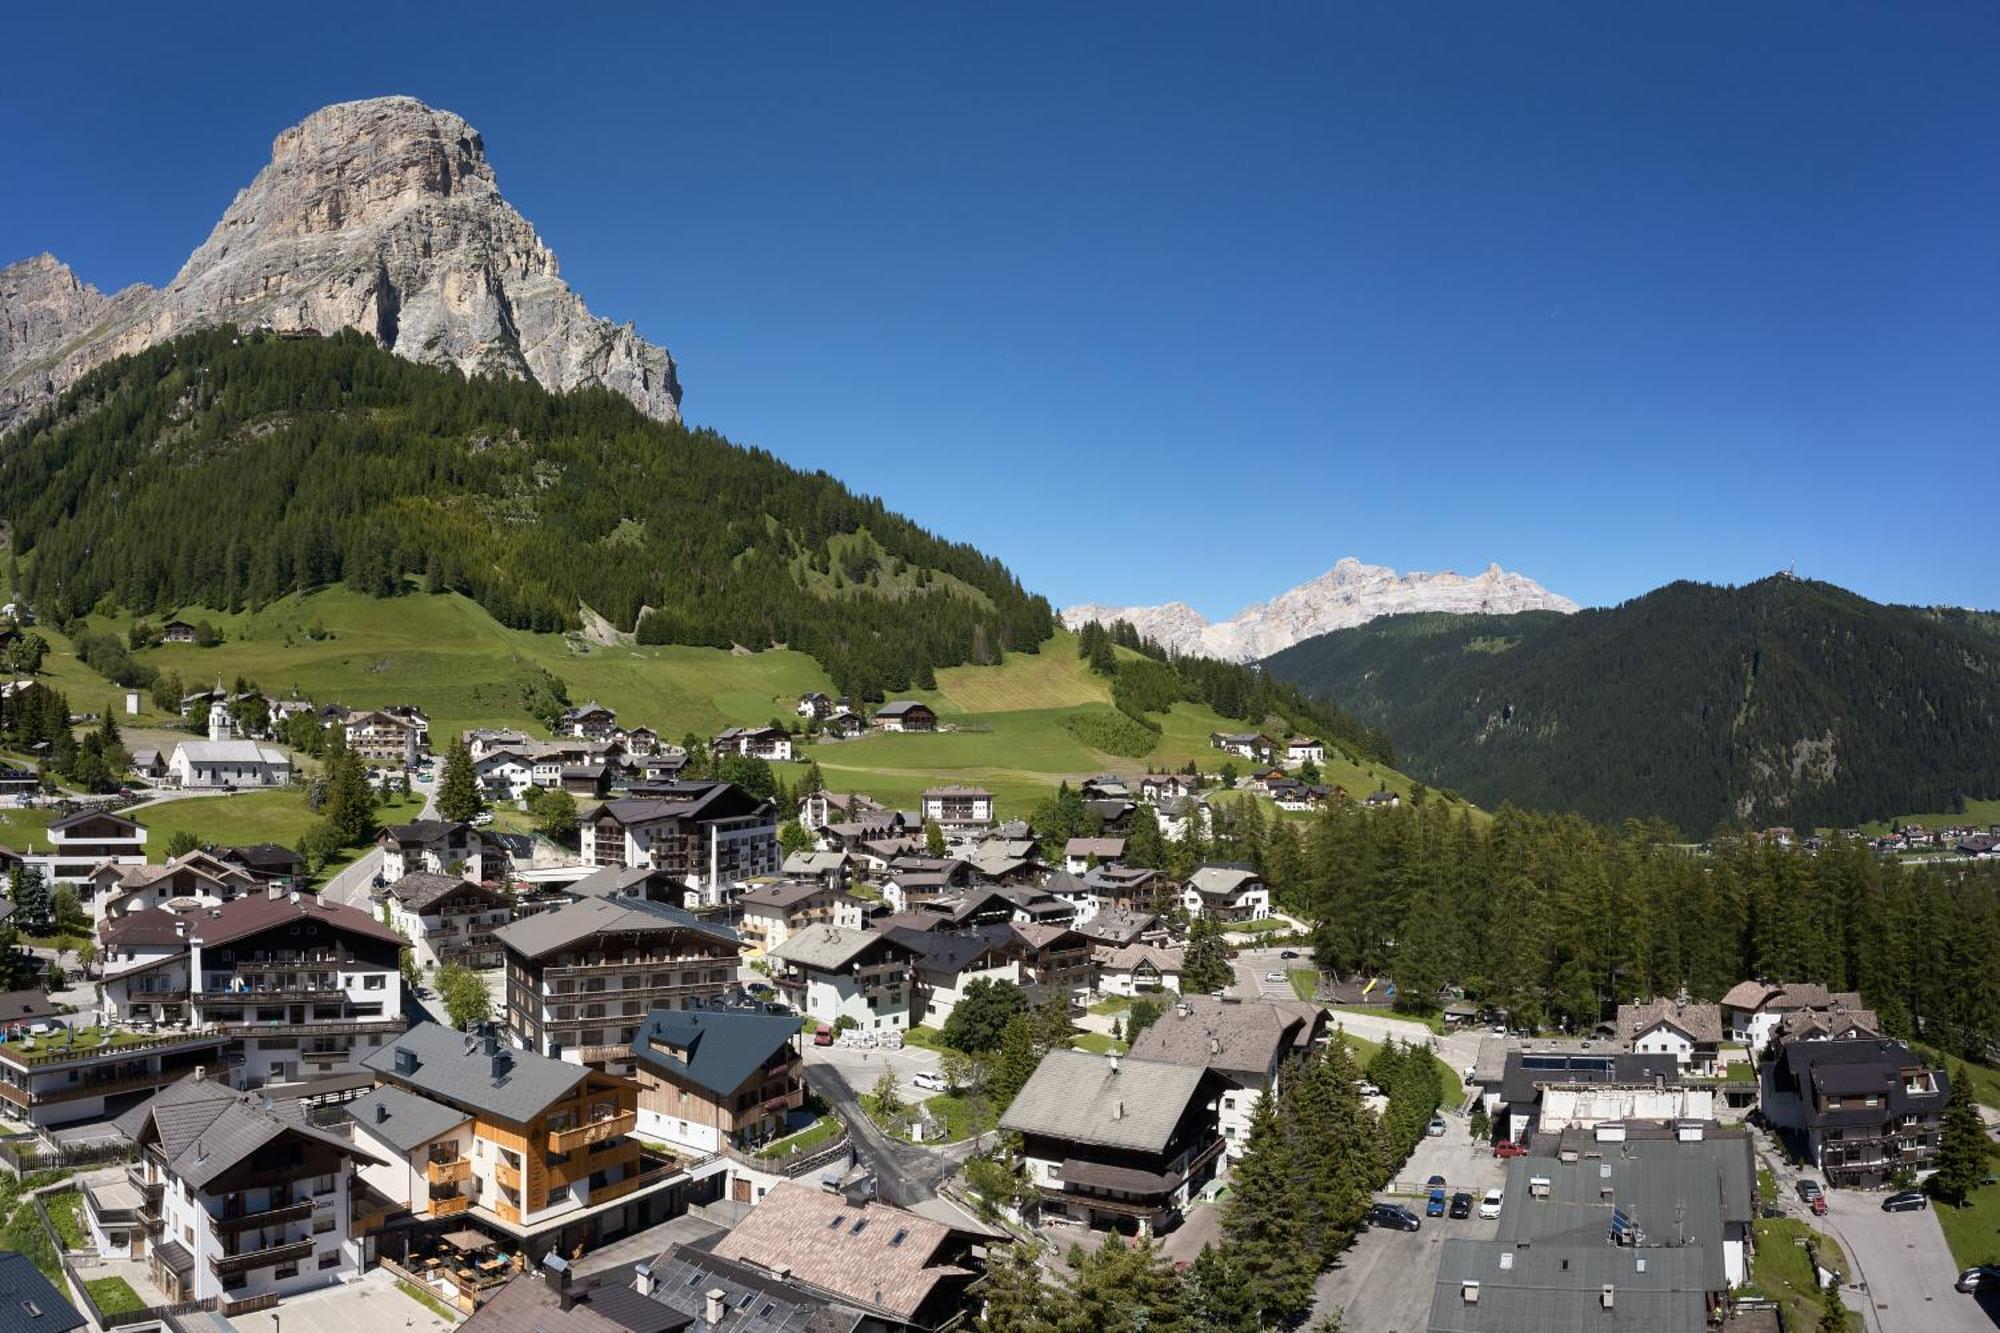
{"x":381,"y":1113}
{"x":200,"y":1071}
{"x":555,"y":1272}
{"x":490,"y":1043}
{"x":1118,"y":1109}
{"x":1111,"y":1058}
{"x":274,"y":891}
{"x":502,"y":1062}
{"x":717,"y":1306}
{"x":643,"y":1281}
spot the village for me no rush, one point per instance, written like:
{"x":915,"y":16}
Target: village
{"x":732,"y":1065}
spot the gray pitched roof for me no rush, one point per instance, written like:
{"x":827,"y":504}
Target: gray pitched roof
{"x":1085,"y":1098}
{"x":23,"y":1287}
{"x":520,"y":1092}
{"x":205,"y":1128}
{"x":722,"y":1047}
{"x":403,"y":1119}
{"x":1241,"y":1039}
{"x":829,"y":948}
{"x":546,"y":932}
{"x":419,"y":890}
{"x":1555,"y":1289}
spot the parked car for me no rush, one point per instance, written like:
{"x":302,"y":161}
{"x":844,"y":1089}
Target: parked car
{"x":1435,"y":1182}
{"x":1393,"y":1216}
{"x":1809,"y":1190}
{"x":1986,"y":1275}
{"x":1818,"y":1205}
{"x":823,"y":1037}
{"x":1905,"y":1201}
{"x":1274,"y":976}
{"x":1435,"y":1205}
{"x":1461,"y":1204}
{"x":1489,"y":1207}
{"x":932,"y":1081}
{"x":1436,"y":1128}
{"x":1288,"y":953}
{"x":1509,"y":1148}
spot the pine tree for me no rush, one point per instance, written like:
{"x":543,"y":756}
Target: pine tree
{"x":1017,"y":1061}
{"x":933,"y":839}
{"x":1216,"y":1295}
{"x":1961,"y":1159}
{"x":1262,"y":1220}
{"x":1832,"y":1312}
{"x":458,"y":797}
{"x":349,"y":808}
{"x":33,"y":907}
{"x":1205,"y":969}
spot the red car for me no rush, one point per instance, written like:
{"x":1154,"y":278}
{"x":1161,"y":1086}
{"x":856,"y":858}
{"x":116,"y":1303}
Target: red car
{"x":823,"y":1037}
{"x":1509,"y":1148}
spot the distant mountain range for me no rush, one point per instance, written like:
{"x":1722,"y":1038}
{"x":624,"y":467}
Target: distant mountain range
{"x":1351,"y":593}
{"x":381,"y":216}
{"x":1780,"y":702}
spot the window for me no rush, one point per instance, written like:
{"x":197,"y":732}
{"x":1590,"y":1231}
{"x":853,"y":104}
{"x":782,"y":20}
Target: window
{"x":374,"y":981}
{"x":323,"y":1185}
{"x":1055,"y":1170}
{"x":284,"y":1271}
{"x":329,"y":1260}
{"x":558,"y":1194}
{"x":322,"y":1224}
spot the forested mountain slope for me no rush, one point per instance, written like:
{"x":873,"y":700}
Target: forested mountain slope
{"x":1780,"y":702}
{"x":227,"y":472}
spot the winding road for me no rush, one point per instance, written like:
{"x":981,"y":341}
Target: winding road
{"x":906,"y":1174}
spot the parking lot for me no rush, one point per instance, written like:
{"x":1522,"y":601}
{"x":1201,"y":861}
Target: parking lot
{"x":1905,"y":1265}
{"x":1384,"y":1280}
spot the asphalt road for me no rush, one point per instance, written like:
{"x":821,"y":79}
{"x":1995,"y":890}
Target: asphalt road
{"x":905,"y":1173}
{"x":1905,"y":1268}
{"x":351,"y":885}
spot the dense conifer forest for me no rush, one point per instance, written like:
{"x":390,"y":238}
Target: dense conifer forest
{"x":224,"y":471}
{"x":1781,"y":702}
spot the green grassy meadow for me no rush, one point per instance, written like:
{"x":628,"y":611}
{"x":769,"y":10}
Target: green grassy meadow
{"x":448,"y":657}
{"x":1979,"y":814}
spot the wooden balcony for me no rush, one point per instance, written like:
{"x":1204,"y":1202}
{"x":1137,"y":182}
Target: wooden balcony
{"x":448,"y":1173}
{"x":288,"y":1253}
{"x":618,"y":1189}
{"x":507,"y":1177}
{"x":582,"y":1136}
{"x":270,"y":1217}
{"x":450,"y":1205}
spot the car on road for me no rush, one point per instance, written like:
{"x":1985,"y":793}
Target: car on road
{"x":1509,"y":1148}
{"x":1986,"y":1275}
{"x":932,"y":1081}
{"x":1434,"y":1182}
{"x":1435,"y":1205}
{"x":1289,"y":953}
{"x":1393,"y":1216}
{"x":823,"y":1037}
{"x":1461,"y":1204}
{"x":1274,"y":976}
{"x":482,"y":819}
{"x":1809,"y":1190}
{"x":1436,"y":1128}
{"x":1489,"y":1207}
{"x":1905,"y":1201}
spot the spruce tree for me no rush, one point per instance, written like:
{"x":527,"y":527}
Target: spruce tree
{"x":933,"y":839}
{"x":1961,"y":1159}
{"x":1205,"y":970}
{"x":1215,"y":1294}
{"x":33,"y":907}
{"x":458,"y":797}
{"x":1262,"y":1220}
{"x":1015,"y":1294}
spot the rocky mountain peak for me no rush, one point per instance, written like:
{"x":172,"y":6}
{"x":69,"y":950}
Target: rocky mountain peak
{"x":381,"y":215}
{"x":1351,"y":593}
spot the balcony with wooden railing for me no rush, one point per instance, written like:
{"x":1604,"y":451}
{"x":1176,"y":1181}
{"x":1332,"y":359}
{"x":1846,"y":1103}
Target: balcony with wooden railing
{"x":269,"y":1217}
{"x":450,"y":1205}
{"x":287,"y":1252}
{"x":618,"y":1189}
{"x":507,"y":1177}
{"x":598,"y":1131}
{"x":448,"y":1172}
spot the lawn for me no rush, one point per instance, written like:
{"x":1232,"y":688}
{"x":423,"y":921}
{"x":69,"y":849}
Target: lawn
{"x":279,"y":816}
{"x":1985,"y":1078}
{"x":1262,"y":927}
{"x":1973,"y":1232}
{"x":927,"y":1038}
{"x":428,"y":1301}
{"x":962,"y":1115}
{"x":1783,"y":1272}
{"x":1111,"y":1004}
{"x":66,"y":1213}
{"x":1097,"y":1043}
{"x":1977,"y":814}
{"x":113,"y":1295}
{"x":820,"y":1132}
{"x":1305,"y":983}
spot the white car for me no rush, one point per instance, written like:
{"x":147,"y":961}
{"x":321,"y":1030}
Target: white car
{"x":1489,"y":1207}
{"x":931,"y":1081}
{"x":1274,"y":976}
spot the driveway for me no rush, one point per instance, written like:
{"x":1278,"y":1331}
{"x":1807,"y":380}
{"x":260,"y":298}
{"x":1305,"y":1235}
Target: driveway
{"x":1905,"y":1267}
{"x":1385,"y":1280}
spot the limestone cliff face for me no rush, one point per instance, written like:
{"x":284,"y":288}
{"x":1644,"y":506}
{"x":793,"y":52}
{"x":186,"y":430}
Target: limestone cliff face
{"x":382,"y":216}
{"x":1349,"y":594}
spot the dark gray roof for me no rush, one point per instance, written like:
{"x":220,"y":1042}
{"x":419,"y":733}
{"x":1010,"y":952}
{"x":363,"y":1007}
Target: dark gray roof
{"x":23,"y":1289}
{"x":1556,"y":1289}
{"x":205,"y":1128}
{"x":403,"y":1119}
{"x":758,"y":1302}
{"x":949,"y":951}
{"x":546,"y":932}
{"x":1672,"y":1198}
{"x":1528,"y":1070}
{"x":419,"y":890}
{"x":724,"y":1047}
{"x":520,"y":1092}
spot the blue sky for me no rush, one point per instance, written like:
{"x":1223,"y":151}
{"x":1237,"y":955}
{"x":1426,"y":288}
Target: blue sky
{"x":1160,"y":301}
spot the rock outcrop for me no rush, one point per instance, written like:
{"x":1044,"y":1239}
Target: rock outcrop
{"x":381,"y":215}
{"x":1349,"y":594}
